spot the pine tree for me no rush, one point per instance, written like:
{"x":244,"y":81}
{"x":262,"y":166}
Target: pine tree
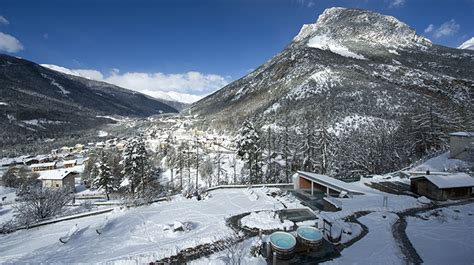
{"x":308,"y":147}
{"x":429,"y":133}
{"x":248,"y":148}
{"x":286,"y":150}
{"x":171,"y":161}
{"x":270,"y":148}
{"x":324,"y":144}
{"x":104,"y":178}
{"x":136,"y":166}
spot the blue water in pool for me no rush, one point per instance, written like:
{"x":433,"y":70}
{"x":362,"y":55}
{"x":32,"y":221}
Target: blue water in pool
{"x":283,"y":240}
{"x":310,"y":233}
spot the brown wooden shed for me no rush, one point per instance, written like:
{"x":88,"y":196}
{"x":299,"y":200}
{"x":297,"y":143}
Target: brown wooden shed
{"x":443,"y":187}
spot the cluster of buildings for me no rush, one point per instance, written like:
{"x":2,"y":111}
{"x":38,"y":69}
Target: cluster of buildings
{"x":182,"y":132}
{"x":438,"y":186}
{"x":60,"y":167}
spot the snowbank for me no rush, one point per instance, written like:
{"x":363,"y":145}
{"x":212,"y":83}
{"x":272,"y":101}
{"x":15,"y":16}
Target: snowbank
{"x":442,"y":163}
{"x":266,"y":220}
{"x":325,"y":43}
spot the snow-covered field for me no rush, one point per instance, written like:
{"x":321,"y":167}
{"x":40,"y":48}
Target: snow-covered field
{"x":378,"y":246}
{"x":145,"y":234}
{"x":445,"y":235}
{"x":134,"y":235}
{"x":6,"y":211}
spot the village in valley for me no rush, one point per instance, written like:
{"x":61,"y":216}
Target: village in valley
{"x":290,"y":132}
{"x":202,"y":209}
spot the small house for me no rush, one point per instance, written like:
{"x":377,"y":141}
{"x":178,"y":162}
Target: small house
{"x":59,"y":178}
{"x":43,"y":166}
{"x":461,"y":146}
{"x":443,"y":187}
{"x":69,"y":163}
{"x":79,"y":147}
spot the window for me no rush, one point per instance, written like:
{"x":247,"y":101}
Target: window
{"x":57,"y":185}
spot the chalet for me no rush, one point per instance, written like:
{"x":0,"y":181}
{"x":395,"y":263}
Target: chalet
{"x":43,"y":166}
{"x":316,"y":183}
{"x":66,"y":149}
{"x":461,"y":146}
{"x":79,"y":147}
{"x":443,"y":187}
{"x":69,"y":163}
{"x":58,"y":178}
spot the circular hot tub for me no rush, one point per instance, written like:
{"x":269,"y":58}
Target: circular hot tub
{"x":309,"y":236}
{"x":283,"y":244}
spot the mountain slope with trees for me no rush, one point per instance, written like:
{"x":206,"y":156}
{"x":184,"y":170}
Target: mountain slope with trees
{"x":355,"y":92}
{"x":36,"y":102}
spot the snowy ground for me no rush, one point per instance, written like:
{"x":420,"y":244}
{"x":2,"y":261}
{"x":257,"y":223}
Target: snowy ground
{"x":442,"y":163}
{"x":445,"y":235}
{"x":6,"y":211}
{"x":378,"y":246}
{"x":135,"y":235}
{"x":243,"y":253}
{"x":265,"y":220}
{"x":372,"y":200}
{"x":144,"y":234}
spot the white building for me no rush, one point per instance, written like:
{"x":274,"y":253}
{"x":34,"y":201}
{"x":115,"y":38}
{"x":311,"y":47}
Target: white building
{"x":58,"y":178}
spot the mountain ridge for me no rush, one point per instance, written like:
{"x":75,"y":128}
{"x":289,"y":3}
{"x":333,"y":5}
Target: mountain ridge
{"x":40,"y":102}
{"x":385,"y":56}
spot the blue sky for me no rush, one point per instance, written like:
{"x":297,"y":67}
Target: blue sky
{"x":191,"y":47}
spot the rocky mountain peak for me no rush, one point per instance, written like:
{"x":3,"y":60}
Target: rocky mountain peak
{"x":356,"y":25}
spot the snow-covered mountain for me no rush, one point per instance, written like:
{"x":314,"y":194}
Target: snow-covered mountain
{"x":38,"y":102}
{"x":352,"y":66}
{"x":467,"y":45}
{"x":175,"y":99}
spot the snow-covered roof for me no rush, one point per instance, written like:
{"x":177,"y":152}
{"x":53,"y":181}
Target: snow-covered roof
{"x":73,"y":161}
{"x":457,"y":180}
{"x":462,"y":134}
{"x":56,"y":174}
{"x":330,"y":182}
{"x":50,"y":164}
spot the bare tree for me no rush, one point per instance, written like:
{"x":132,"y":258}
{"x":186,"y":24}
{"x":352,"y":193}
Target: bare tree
{"x":38,"y":204}
{"x":234,"y":253}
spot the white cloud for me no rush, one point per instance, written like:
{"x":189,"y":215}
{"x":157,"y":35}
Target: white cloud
{"x":185,"y":87}
{"x":306,"y":3}
{"x":430,"y":28}
{"x":9,"y":43}
{"x":3,"y":21}
{"x":446,"y":29}
{"x":396,"y":3}
{"x":190,"y":82}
